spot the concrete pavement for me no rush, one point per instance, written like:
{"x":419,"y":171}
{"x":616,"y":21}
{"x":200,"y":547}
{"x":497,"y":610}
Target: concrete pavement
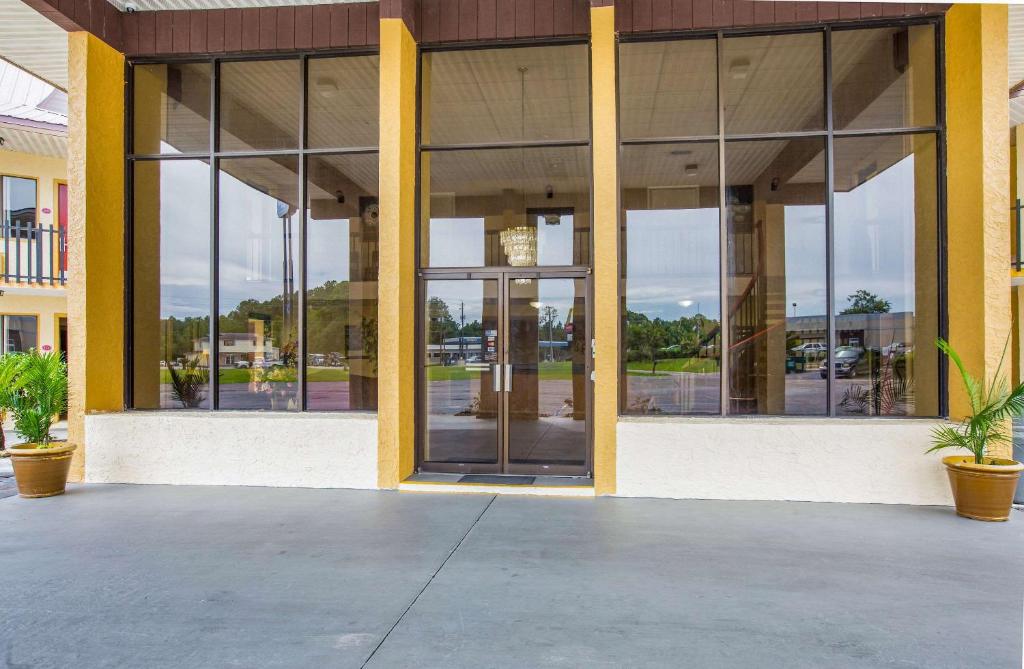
{"x":159,"y":576}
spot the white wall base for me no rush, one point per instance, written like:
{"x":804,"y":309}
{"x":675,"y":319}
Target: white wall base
{"x":310,"y":450}
{"x":869,"y":460}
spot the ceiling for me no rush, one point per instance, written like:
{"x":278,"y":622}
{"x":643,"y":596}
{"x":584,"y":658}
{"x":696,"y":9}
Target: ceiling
{"x":33,"y":42}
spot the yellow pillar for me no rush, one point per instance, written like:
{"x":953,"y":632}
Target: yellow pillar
{"x":607,"y":310}
{"x":95,"y":234}
{"x":977,"y":118}
{"x":1017,"y":294}
{"x":396,"y":323}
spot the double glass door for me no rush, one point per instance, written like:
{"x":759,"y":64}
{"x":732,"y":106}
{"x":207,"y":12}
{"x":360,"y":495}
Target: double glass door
{"x":505,"y":373}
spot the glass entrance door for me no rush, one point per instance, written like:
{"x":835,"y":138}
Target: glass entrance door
{"x":504,"y":374}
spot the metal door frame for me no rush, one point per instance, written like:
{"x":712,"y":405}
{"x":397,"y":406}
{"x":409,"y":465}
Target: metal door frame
{"x":503,"y":276}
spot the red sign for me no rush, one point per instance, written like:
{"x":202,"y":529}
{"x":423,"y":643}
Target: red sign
{"x":46,"y":347}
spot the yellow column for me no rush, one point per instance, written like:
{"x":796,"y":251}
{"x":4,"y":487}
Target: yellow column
{"x":396,"y":322}
{"x":1017,"y":294}
{"x":607,"y":310}
{"x":95,"y":234}
{"x":978,"y":166}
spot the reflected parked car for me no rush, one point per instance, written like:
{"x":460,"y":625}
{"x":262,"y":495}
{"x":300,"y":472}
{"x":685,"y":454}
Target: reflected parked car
{"x":809,"y":348}
{"x":847,"y":360}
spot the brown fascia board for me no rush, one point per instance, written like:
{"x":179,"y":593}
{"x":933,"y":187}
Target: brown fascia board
{"x":343,"y":25}
{"x":98,"y":17}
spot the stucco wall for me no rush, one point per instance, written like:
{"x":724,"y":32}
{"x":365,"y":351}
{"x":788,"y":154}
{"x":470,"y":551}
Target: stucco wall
{"x":871,"y":460}
{"x":46,"y":304}
{"x":312,"y":450}
{"x":47,"y":172}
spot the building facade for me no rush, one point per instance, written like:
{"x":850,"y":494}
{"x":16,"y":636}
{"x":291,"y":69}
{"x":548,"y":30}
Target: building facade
{"x":688,"y":249}
{"x":33,"y":213}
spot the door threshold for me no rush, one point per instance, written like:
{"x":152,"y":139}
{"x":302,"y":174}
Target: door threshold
{"x":564,"y":486}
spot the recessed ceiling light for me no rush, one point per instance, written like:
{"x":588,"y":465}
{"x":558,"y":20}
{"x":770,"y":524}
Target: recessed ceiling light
{"x":327,"y":87}
{"x":739,"y":68}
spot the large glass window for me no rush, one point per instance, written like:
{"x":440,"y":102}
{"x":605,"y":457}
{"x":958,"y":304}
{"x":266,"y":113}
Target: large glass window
{"x":523,"y":94}
{"x":171,"y":108}
{"x":341,"y":296}
{"x":171,"y":284}
{"x":295,"y":231}
{"x":751,"y":277}
{"x":672,"y":332}
{"x":525,"y":203}
{"x":775,"y":218}
{"x":886,"y":295}
{"x":478,"y":198}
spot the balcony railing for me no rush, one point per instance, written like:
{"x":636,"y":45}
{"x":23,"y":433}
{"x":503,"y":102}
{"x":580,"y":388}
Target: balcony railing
{"x":34,"y":254}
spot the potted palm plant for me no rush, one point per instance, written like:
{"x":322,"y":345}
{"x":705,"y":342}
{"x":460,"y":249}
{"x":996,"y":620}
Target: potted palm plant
{"x":41,"y":464}
{"x":982,"y":485}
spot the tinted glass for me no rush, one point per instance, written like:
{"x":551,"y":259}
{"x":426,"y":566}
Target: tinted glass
{"x":171,"y":284}
{"x":498,"y":207}
{"x":668,"y":89}
{"x":885,"y":267}
{"x":547,"y":398}
{"x":19,"y":203}
{"x":341,"y":296}
{"x":773,"y":83}
{"x":672,"y":332}
{"x":258,"y":310}
{"x":883,"y":78}
{"x":259,"y":105}
{"x":460,"y":337}
{"x":21,"y":333}
{"x":344,"y":108}
{"x":775,"y":214}
{"x":171,"y":110}
{"x":502,"y":95}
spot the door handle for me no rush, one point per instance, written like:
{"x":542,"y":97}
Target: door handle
{"x":508,"y":378}
{"x":496,"y":373}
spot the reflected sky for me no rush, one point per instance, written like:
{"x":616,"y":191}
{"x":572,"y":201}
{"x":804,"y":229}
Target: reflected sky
{"x":671,"y":255}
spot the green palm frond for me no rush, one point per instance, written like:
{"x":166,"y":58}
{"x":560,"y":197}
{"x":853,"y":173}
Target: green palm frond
{"x":992,"y":407}
{"x":43,"y":394}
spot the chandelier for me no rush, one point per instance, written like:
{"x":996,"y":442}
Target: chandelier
{"x":520,"y":244}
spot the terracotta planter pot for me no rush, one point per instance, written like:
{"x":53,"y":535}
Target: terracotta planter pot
{"x":41,"y":472}
{"x":982,"y":492}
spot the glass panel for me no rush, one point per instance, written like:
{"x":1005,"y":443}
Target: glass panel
{"x":460,"y":333}
{"x":506,"y":207}
{"x":19,"y":209}
{"x":259,"y":105}
{"x":504,"y":95}
{"x":885,"y":266}
{"x":775,"y":212}
{"x":20,"y":333}
{"x":344,"y":105}
{"x":171,"y":284}
{"x":773,"y":83}
{"x":258,"y":310}
{"x":668,"y":89}
{"x":341,"y":296}
{"x":548,"y":353}
{"x":671,"y":343}
{"x":171,"y":108}
{"x":883,"y":78}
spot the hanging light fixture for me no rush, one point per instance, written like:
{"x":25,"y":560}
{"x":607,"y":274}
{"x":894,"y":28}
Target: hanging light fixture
{"x":520,"y":245}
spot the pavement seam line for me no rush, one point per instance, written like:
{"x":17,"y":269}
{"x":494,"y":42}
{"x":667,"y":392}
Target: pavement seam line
{"x":427,"y":584}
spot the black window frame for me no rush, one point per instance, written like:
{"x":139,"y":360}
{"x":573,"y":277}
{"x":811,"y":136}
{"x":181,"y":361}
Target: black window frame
{"x":829,"y":134}
{"x":213,"y":157}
